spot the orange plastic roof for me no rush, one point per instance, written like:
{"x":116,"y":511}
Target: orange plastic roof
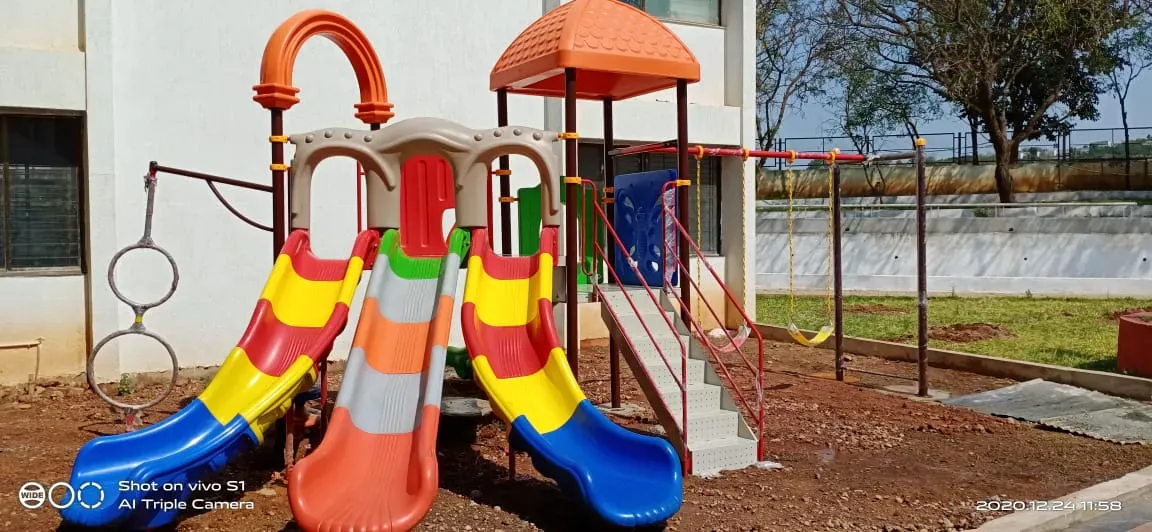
{"x":617,"y":50}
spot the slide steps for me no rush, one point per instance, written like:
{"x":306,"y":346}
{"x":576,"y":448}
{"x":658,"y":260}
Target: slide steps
{"x":718,"y":437}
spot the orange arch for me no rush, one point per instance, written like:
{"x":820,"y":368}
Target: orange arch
{"x":276,"y":91}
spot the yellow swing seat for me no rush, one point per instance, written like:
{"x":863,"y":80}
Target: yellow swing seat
{"x":821,"y":336}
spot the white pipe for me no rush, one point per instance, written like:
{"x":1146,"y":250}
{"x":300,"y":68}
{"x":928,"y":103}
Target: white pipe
{"x":23,"y":345}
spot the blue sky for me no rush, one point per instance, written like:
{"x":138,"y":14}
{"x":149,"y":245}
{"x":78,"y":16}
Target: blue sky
{"x":813,"y":120}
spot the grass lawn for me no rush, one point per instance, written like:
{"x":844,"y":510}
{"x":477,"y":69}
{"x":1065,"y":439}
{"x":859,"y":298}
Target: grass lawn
{"x":1069,"y":332}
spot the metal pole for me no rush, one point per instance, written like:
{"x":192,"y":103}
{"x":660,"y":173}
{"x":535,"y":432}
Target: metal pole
{"x":279,"y":194}
{"x":505,"y":178}
{"x":571,"y":247}
{"x":682,"y":198}
{"x":921,"y":271}
{"x":610,"y":245}
{"x":837,"y":273}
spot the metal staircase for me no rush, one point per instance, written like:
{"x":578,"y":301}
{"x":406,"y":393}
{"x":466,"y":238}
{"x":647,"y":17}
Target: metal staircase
{"x":718,"y":436}
{"x":681,"y":375}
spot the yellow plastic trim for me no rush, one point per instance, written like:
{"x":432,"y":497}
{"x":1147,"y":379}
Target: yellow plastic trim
{"x":482,"y":289}
{"x":278,"y":139}
{"x":683,"y":182}
{"x":278,"y":167}
{"x":609,"y":190}
{"x":568,"y":135}
{"x":299,"y":302}
{"x":239,"y":388}
{"x":609,"y":200}
{"x":501,"y":172}
{"x":920,"y":142}
{"x":573,"y":180}
{"x":546,"y":398}
{"x":507,"y":199}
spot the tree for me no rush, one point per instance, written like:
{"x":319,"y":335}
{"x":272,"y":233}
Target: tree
{"x":1132,"y":46}
{"x":792,"y":53}
{"x":1025,"y":68}
{"x":873,"y":102}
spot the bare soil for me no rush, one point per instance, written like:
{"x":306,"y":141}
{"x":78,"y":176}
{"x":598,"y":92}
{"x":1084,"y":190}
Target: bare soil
{"x":874,"y":309}
{"x":1115,"y":315}
{"x":854,"y":458}
{"x":963,"y":333}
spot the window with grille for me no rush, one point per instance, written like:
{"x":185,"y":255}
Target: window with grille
{"x":590,"y":163}
{"x":697,"y":11}
{"x":40,"y":192}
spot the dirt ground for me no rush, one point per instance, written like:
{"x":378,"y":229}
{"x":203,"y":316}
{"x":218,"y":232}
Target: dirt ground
{"x":854,"y":458}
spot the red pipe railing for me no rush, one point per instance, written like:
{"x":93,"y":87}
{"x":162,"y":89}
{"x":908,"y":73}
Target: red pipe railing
{"x":740,"y":152}
{"x":681,"y":381}
{"x":686,"y":277}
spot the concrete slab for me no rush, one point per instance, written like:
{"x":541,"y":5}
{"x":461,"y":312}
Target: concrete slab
{"x":912,"y":389}
{"x":1038,"y":399}
{"x":1068,"y":408}
{"x":465,"y":407}
{"x":1132,"y":491}
{"x":1125,"y":424}
{"x":626,"y":410}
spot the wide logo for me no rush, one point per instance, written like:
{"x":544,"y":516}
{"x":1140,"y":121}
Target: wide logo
{"x":61,"y":495}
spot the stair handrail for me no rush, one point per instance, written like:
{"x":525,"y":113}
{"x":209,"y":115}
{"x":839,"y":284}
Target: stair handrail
{"x":682,"y":380}
{"x":686,"y":276}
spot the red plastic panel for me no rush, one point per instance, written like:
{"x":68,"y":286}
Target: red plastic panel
{"x":426,"y":191}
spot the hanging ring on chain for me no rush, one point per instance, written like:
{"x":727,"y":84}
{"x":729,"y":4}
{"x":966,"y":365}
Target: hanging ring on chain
{"x":136,"y":328}
{"x":138,"y":309}
{"x":141,"y":308}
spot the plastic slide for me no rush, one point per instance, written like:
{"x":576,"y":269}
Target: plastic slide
{"x":148,"y":476}
{"x":376,"y":468}
{"x":626,"y":478}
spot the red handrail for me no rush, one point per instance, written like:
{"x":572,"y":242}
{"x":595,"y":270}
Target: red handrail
{"x":681,"y":382}
{"x":686,"y":276}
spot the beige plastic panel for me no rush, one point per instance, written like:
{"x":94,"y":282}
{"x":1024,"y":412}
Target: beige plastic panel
{"x":469,"y":152}
{"x":315,"y":146}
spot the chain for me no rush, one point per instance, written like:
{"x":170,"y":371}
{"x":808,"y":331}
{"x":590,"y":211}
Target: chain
{"x":828,"y":305}
{"x":790,"y":180}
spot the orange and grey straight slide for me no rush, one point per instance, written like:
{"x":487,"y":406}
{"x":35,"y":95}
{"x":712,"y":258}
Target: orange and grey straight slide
{"x":376,"y":467}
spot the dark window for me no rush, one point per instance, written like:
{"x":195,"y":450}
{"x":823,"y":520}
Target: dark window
{"x":697,"y":11}
{"x":590,"y":161}
{"x":40,"y":195}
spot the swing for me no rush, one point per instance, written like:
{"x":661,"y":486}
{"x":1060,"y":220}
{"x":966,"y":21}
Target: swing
{"x":828,"y":329}
{"x":744,"y":331}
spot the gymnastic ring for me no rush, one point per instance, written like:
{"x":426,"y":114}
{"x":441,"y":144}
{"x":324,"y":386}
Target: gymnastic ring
{"x":90,"y":371}
{"x":139,"y":308}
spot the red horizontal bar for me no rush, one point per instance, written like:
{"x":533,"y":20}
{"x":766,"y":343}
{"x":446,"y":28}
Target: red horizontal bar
{"x":762,"y":154}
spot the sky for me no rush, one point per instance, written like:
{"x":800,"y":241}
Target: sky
{"x":814,"y":120}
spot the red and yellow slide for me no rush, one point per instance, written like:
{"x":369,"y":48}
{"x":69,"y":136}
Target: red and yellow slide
{"x":303,"y":307}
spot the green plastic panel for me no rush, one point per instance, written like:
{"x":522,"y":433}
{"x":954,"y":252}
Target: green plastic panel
{"x":529,"y":226}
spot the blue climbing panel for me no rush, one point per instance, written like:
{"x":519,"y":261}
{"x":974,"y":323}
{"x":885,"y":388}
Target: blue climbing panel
{"x":638,"y":220}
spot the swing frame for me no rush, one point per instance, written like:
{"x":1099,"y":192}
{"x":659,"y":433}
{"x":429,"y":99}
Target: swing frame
{"x":835,"y":330}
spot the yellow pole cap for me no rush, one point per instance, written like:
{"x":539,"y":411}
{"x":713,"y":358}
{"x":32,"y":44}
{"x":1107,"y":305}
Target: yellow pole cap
{"x":920,"y":142}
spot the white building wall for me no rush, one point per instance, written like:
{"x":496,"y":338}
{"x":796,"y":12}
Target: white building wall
{"x":172,"y":82}
{"x":41,"y":67}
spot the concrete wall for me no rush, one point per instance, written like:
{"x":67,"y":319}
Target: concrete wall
{"x":172,"y":83}
{"x":1044,"y":256}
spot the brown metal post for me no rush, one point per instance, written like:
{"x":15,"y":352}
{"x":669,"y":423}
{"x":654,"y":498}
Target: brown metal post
{"x":571,"y":247}
{"x":279,"y":195}
{"x":505,"y":179}
{"x":682,"y":198}
{"x":837,"y":273}
{"x":921,"y":272}
{"x":610,"y":244}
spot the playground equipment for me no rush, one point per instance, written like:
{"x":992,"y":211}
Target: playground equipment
{"x":377,"y":467}
{"x":834,"y":160}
